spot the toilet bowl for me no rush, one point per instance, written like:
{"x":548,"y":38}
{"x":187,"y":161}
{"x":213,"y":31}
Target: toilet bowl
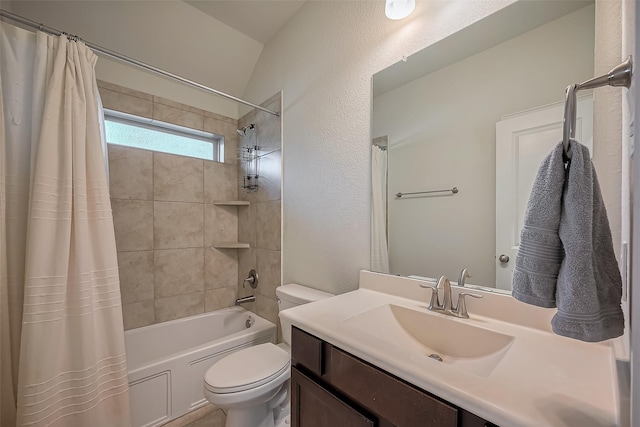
{"x":252,"y":385}
{"x":246,"y":382}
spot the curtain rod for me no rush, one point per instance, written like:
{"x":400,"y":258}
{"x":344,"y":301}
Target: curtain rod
{"x":126,"y":59}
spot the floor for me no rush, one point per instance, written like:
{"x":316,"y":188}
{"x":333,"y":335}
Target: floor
{"x":207,"y":416}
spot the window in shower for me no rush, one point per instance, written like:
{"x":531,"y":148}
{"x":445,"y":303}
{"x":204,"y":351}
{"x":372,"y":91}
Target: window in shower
{"x":139,"y":132}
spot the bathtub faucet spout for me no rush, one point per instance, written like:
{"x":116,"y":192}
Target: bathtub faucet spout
{"x":250,"y":298}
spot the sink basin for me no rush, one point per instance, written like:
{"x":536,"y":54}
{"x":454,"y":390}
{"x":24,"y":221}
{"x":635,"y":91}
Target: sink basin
{"x":434,"y":337}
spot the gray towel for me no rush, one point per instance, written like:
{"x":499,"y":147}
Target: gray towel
{"x":540,"y":253}
{"x":588,"y":288}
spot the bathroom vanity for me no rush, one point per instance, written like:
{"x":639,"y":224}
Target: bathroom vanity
{"x":378,"y":356}
{"x":330,"y":384}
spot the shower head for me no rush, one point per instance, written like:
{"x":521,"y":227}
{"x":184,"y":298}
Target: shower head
{"x":248,"y":130}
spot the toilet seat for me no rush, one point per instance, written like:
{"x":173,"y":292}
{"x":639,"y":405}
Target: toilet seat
{"x":246,"y":369}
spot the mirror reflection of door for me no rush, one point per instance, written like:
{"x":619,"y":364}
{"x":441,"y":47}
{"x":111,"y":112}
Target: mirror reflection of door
{"x":439,"y":110}
{"x":522,"y":142}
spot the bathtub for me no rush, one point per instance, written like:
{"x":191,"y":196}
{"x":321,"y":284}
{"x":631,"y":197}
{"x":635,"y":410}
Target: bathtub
{"x":167,"y":361}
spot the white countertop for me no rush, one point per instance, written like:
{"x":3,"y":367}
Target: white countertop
{"x":542,"y":380}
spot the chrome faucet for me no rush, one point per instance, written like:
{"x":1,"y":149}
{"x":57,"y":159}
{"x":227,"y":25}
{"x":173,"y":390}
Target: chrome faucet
{"x":464,"y":273}
{"x":460,"y":310}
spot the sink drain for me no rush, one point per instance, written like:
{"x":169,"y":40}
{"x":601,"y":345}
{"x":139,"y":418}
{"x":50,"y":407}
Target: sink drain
{"x":436,"y":357}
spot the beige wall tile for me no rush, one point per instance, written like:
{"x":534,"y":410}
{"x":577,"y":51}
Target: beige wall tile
{"x":138,"y":314}
{"x":247,"y":224}
{"x":171,"y":217}
{"x":220,"y":127}
{"x":269,"y":183}
{"x":250,"y":117}
{"x":126,"y":103}
{"x":179,"y":306}
{"x":220,"y":117}
{"x":178,"y":225}
{"x":268,"y":225}
{"x":268,"y":263}
{"x":267,"y":308}
{"x":269,"y":130}
{"x":117,"y":88}
{"x":246,"y":262}
{"x":231,"y":150}
{"x":174,"y":104}
{"x":176,"y":116}
{"x":178,"y":271}
{"x":221,"y":268}
{"x":220,"y":182}
{"x":177,"y":178}
{"x":216,"y":299}
{"x":221,"y":224}
{"x":228,"y":128}
{"x":136,"y":276}
{"x":133,"y":223}
{"x":130,"y":173}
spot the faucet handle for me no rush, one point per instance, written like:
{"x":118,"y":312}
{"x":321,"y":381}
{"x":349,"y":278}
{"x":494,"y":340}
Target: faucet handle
{"x":464,"y":274}
{"x":435,"y":299}
{"x":461,"y":308}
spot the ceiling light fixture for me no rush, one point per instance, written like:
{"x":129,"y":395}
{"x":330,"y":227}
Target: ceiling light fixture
{"x":399,"y":9}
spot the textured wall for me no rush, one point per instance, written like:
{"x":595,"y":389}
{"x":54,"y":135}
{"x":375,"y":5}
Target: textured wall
{"x":607,"y":114}
{"x":323,"y":60}
{"x":165,"y":221}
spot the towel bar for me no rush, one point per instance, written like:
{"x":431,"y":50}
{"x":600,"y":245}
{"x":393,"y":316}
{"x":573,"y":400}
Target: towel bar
{"x":453,"y":190}
{"x":618,"y":76}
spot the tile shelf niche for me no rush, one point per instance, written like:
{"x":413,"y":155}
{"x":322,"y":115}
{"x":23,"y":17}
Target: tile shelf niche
{"x":231,"y":245}
{"x":232,"y":203}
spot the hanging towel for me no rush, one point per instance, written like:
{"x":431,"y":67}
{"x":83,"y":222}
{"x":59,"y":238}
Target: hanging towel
{"x":588,"y":288}
{"x":589,"y":283}
{"x":540,"y":253}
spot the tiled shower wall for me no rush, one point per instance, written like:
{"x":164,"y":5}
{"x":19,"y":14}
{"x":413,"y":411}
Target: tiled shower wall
{"x":164,"y":218}
{"x":259,"y":223}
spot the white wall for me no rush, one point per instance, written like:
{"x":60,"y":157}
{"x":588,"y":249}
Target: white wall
{"x":441,"y":130}
{"x":607,"y":114}
{"x":323,"y":60}
{"x":170,"y":35}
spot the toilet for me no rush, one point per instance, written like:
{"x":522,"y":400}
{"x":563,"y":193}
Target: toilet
{"x":252,"y":385}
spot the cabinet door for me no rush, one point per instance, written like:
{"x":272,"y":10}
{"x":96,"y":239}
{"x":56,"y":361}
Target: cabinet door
{"x":390,"y":398}
{"x":313,"y":406}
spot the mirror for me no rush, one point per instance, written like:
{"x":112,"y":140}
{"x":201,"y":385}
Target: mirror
{"x":436,"y":114}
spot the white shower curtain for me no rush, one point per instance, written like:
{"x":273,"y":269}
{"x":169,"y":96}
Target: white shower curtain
{"x":71,"y":369}
{"x":379,"y":248}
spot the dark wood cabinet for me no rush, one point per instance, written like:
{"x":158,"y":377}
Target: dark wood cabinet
{"x":332,"y":388}
{"x":317,"y":407}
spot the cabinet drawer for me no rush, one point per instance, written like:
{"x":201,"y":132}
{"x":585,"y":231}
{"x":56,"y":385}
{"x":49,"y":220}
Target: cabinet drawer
{"x":392,"y":399}
{"x":313,"y":406}
{"x":306,"y":350}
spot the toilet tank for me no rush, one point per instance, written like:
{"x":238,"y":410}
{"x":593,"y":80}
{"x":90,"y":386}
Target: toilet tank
{"x":293,"y":295}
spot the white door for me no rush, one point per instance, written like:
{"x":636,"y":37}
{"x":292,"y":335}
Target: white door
{"x":522,"y":142}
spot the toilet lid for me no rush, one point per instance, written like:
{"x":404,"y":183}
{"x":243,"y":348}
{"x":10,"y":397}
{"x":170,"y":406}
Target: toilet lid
{"x":246,"y":368}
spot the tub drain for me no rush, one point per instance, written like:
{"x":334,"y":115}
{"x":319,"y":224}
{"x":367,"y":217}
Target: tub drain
{"x":249,"y":323}
{"x":436,"y":357}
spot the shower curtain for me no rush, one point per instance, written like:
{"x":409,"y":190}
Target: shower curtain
{"x":61,"y":336}
{"x":379,"y":251}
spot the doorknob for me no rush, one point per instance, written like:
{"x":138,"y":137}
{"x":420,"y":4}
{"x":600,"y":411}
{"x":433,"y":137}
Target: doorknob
{"x":503,"y":258}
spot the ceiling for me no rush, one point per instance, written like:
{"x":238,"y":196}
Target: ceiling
{"x":258,"y":19}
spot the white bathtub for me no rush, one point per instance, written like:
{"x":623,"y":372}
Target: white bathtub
{"x":167,"y":361}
